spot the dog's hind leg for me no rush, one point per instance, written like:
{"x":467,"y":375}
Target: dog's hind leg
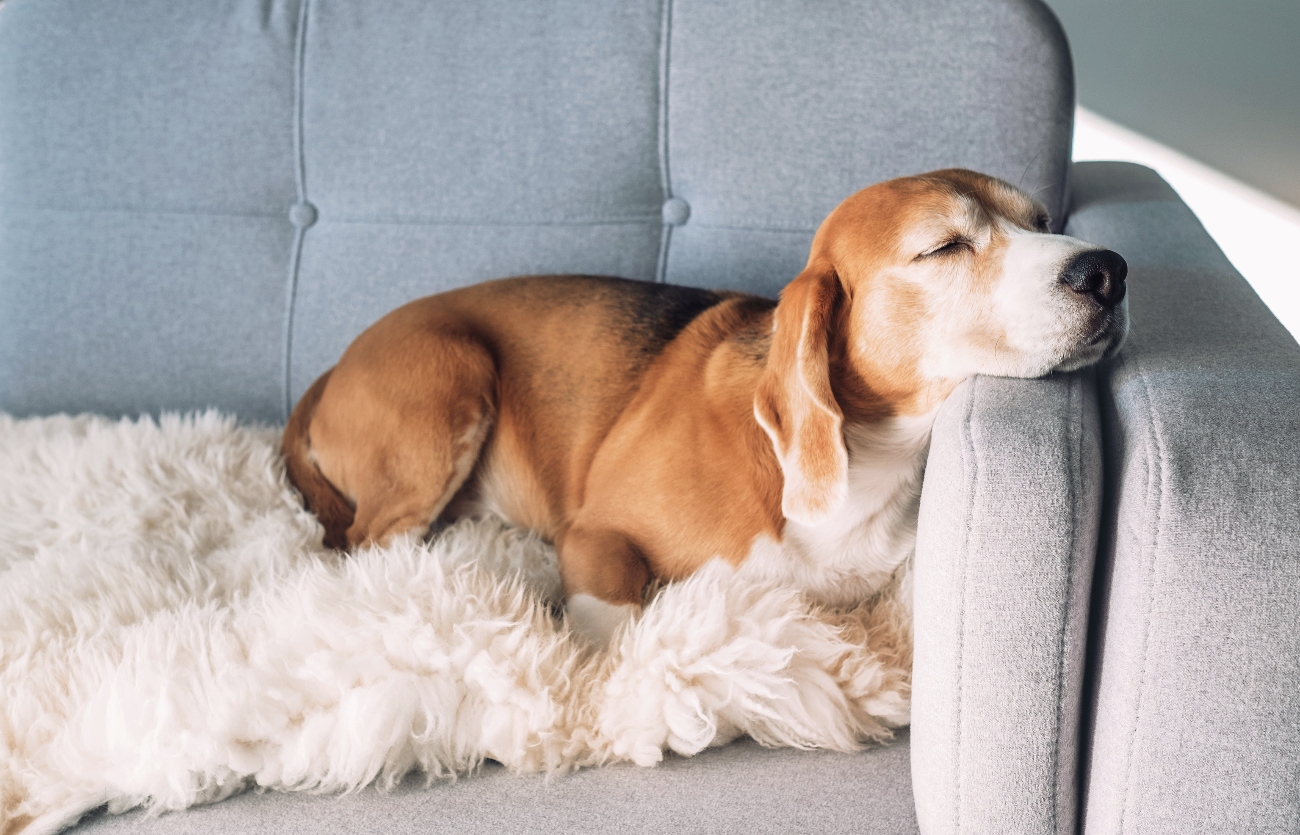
{"x":400,"y":502}
{"x":319,"y":495}
{"x":399,"y":438}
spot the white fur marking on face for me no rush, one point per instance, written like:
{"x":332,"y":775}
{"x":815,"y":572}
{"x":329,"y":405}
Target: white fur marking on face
{"x":1027,"y":324}
{"x":1041,"y":314}
{"x":1051,"y":323}
{"x":596,"y":620}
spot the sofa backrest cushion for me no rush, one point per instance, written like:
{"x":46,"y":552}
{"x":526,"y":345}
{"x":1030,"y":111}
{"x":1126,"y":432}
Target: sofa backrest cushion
{"x":203,"y":201}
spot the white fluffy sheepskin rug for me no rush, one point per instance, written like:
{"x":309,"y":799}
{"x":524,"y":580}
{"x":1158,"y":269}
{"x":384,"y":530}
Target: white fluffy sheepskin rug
{"x":173,"y":632}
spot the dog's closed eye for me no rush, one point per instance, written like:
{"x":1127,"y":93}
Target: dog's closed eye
{"x":955,"y":246}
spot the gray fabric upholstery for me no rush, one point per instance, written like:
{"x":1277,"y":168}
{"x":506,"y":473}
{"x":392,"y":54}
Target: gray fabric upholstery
{"x":202,"y":203}
{"x":145,"y":170}
{"x":151,"y":154}
{"x":1196,"y":659}
{"x":1004,"y":561}
{"x":738,"y":788}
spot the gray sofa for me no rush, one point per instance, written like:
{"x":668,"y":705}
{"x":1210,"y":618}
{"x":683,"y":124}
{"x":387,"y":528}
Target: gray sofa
{"x":201,"y":203}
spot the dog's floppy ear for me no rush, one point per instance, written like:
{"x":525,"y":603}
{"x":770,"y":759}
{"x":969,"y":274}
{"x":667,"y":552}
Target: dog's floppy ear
{"x":795,"y":404}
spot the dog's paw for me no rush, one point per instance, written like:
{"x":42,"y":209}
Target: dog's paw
{"x":597,"y":621}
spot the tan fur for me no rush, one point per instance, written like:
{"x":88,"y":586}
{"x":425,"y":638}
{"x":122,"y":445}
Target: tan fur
{"x":322,"y":498}
{"x":645,"y":450}
{"x":795,"y":403}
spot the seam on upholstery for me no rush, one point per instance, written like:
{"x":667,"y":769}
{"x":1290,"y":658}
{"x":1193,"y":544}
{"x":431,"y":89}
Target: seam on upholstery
{"x":418,"y":221}
{"x":142,"y":212}
{"x":625,"y":220}
{"x":1073,"y":472}
{"x":970,"y":460}
{"x":299,"y":64}
{"x":665,"y":172}
{"x":300,"y":180}
{"x":661,"y":268}
{"x":793,"y":230}
{"x":1155,"y":479}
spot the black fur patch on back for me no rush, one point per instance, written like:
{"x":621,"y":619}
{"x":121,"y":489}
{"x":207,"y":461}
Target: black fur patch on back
{"x":646,"y":316}
{"x":653,"y":314}
{"x":755,"y":339}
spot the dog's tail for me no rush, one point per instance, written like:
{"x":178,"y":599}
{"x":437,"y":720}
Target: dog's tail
{"x":319,"y":495}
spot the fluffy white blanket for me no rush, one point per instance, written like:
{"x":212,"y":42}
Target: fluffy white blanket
{"x":172,"y":631}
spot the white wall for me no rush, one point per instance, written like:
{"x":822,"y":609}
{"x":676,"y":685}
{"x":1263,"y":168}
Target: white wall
{"x":1258,"y":233}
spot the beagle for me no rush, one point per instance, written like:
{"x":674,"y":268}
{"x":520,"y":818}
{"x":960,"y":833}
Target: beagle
{"x":646,"y":429}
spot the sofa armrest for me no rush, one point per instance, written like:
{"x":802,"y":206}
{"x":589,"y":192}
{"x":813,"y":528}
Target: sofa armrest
{"x":1004,"y":560}
{"x":1195,"y":652}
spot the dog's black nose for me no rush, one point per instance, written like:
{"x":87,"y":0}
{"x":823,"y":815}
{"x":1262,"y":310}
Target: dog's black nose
{"x":1100,"y":273}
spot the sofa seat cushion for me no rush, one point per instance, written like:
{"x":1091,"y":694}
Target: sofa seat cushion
{"x":740,"y":787}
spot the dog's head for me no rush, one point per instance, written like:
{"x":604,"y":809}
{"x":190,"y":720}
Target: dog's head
{"x":912,"y":286}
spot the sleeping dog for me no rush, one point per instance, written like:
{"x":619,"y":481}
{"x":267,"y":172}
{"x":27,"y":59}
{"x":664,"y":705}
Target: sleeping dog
{"x":646,"y":429}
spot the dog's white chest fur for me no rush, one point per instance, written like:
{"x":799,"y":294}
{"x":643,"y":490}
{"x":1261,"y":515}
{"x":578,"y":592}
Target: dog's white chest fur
{"x":850,"y":556}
